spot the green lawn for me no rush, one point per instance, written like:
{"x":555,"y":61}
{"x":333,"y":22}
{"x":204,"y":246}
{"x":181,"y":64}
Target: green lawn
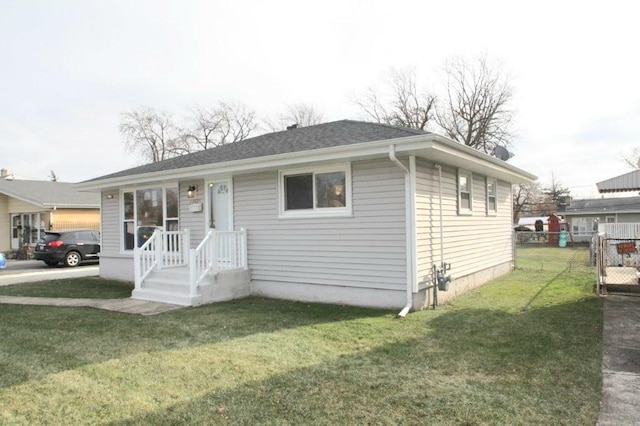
{"x":524,"y":349}
{"x":86,"y":287}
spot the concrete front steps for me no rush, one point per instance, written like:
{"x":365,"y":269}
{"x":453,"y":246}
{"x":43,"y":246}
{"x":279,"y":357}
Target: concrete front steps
{"x":171,"y":285}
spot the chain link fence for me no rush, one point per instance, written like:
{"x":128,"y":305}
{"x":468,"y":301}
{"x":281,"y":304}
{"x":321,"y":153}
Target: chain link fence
{"x":554,"y":251}
{"x":618,"y":264}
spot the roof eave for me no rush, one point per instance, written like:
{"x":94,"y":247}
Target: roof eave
{"x":433,"y":147}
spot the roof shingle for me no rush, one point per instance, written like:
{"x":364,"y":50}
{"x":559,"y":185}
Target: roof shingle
{"x":326,"y":135}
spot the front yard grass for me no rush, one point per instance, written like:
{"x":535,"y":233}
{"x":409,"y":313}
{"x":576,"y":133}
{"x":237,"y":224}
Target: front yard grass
{"x":524,"y":349}
{"x":86,"y":287}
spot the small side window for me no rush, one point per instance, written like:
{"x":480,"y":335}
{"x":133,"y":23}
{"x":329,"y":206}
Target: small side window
{"x":465,"y":192}
{"x":492,"y":196}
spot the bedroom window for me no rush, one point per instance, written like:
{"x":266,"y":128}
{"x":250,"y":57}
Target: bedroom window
{"x":492,"y":201}
{"x":144,"y":210}
{"x":319,"y":192}
{"x":465,"y":194}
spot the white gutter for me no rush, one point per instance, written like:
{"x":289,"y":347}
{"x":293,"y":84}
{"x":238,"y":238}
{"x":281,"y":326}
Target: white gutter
{"x":409,"y":227}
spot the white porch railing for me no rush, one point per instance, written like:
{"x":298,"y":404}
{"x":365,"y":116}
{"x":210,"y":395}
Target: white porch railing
{"x":620,"y":230}
{"x":163,"y":249}
{"x":217,"y":251}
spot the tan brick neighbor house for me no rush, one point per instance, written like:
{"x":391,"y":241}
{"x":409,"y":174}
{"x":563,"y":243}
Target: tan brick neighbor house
{"x":28,"y":208}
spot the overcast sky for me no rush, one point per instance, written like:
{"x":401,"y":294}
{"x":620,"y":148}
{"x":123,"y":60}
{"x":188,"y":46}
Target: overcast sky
{"x":68,"y":69}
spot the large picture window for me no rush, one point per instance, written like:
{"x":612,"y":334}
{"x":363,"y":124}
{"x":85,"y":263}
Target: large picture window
{"x":320,"y":192}
{"x":144,"y":210}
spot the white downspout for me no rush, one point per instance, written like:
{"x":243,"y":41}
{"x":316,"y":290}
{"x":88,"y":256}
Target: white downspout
{"x":437,"y":166}
{"x":409,"y":233}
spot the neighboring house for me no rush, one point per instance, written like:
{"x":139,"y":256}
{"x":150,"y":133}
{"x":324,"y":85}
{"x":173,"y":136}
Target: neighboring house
{"x":584,"y":215}
{"x":345,"y":212}
{"x":28,"y":208}
{"x":623,"y":183}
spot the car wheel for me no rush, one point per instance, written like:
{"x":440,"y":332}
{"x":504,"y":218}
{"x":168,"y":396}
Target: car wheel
{"x":51,"y":263}
{"x":72,"y":258}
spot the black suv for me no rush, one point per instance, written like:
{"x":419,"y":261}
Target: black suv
{"x":70,"y":247}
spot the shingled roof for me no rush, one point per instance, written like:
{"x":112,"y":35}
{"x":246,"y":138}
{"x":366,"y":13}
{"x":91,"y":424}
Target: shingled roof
{"x":49,"y":194}
{"x":603,"y":205}
{"x":326,"y":135}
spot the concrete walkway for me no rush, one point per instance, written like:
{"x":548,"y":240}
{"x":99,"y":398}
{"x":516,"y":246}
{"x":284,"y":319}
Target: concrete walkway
{"x":24,"y":271}
{"x":127,"y":306}
{"x":621,"y":361}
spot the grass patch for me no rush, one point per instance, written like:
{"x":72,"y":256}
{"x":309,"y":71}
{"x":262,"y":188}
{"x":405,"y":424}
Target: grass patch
{"x":524,"y":349}
{"x":549,"y":258}
{"x":85,"y":287}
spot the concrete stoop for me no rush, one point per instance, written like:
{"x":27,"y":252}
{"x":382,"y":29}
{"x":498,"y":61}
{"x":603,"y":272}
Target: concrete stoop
{"x":172,"y":286}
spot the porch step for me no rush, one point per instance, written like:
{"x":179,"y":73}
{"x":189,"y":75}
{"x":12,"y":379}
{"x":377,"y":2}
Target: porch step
{"x":171,"y":285}
{"x":155,"y":295}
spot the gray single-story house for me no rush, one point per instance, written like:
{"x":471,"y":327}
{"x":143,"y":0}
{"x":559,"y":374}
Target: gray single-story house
{"x":345,"y":212}
{"x":583,"y":216}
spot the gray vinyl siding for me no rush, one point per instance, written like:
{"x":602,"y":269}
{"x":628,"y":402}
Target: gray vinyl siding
{"x":471,"y":242}
{"x":194,"y":222}
{"x":366,"y":250}
{"x":110,"y":221}
{"x":626,"y":217}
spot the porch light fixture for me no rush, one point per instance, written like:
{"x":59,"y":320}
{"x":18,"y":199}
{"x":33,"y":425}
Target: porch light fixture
{"x":109,"y":196}
{"x":191,"y":190}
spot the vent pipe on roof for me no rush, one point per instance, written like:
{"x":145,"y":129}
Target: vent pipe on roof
{"x":293,"y":126}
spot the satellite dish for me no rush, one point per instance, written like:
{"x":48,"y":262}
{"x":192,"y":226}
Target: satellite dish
{"x":501,"y":153}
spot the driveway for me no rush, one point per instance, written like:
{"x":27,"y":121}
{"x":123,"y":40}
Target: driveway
{"x":22,"y":271}
{"x":621,"y":361}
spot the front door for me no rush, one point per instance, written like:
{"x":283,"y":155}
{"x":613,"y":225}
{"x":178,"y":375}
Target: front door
{"x":220,"y":206}
{"x":16,"y":228}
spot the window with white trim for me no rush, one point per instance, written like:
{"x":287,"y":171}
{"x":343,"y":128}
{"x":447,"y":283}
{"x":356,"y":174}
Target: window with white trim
{"x":580,"y":225}
{"x":492,"y":196}
{"x":465,"y":192}
{"x":315,"y":192}
{"x":144,"y":210}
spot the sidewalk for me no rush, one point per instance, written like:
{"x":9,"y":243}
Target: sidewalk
{"x":127,"y":306}
{"x":621,"y":361}
{"x":25,"y":271}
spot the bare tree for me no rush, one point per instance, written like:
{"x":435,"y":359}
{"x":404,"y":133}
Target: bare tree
{"x":150,"y":133}
{"x":225,"y":123}
{"x":405,"y":106}
{"x":476,"y":110}
{"x":297,"y":115}
{"x":525,"y":199}
{"x":632,"y":159}
{"x":556,"y":194}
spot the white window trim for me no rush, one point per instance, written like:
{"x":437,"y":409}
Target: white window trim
{"x":346,"y":211}
{"x":465,"y":211}
{"x":495,"y":195}
{"x":121,"y":220}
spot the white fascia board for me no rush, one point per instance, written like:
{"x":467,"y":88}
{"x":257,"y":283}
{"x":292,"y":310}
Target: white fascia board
{"x":25,"y":200}
{"x":428,"y":146}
